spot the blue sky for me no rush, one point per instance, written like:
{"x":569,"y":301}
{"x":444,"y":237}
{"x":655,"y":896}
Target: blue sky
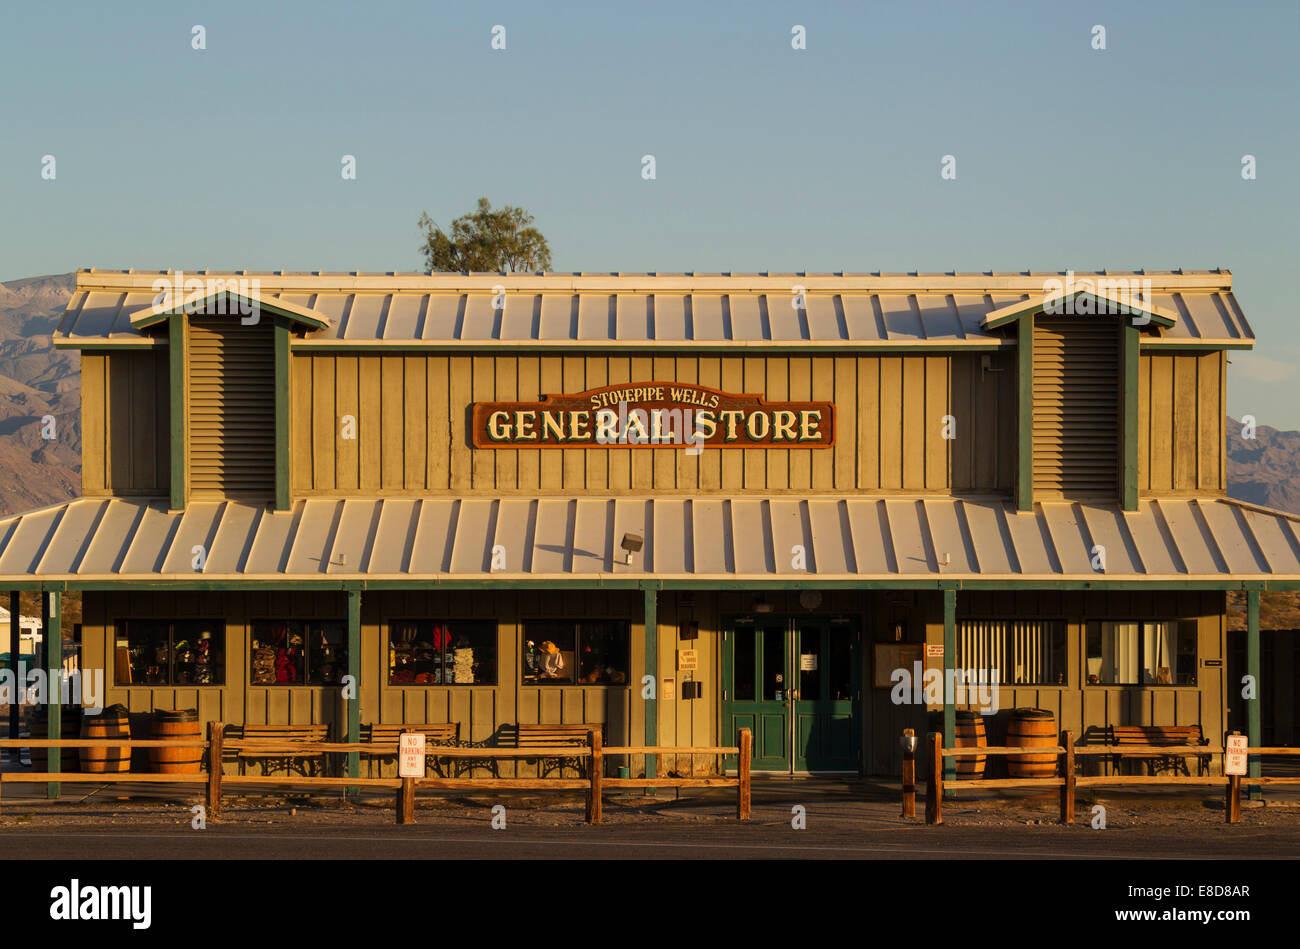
{"x":767,"y":158}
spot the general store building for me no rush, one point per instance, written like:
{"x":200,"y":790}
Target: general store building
{"x":404,"y":480}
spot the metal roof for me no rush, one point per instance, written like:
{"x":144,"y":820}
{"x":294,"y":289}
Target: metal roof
{"x":700,"y":538}
{"x":638,"y":310}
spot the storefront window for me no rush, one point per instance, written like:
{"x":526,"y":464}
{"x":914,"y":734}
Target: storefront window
{"x":1142,"y":653}
{"x":1013,"y":652}
{"x":298,"y":652}
{"x":585,"y":652}
{"x":434,"y":652}
{"x":170,"y":652}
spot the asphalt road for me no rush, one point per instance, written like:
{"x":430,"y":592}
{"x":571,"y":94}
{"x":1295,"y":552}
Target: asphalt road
{"x":715,"y":841}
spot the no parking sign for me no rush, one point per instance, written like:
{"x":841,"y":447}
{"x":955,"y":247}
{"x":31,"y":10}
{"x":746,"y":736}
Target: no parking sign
{"x":410,"y":755}
{"x":1235,"y":759}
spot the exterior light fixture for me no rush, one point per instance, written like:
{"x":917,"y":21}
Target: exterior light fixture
{"x":909,"y":743}
{"x":761,"y":605}
{"x":631,"y":543}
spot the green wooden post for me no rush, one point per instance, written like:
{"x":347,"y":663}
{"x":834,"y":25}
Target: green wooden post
{"x":354,"y":670}
{"x":281,"y":412}
{"x":1129,"y":474}
{"x":651,"y":669}
{"x":176,"y":359}
{"x":1253,"y":727}
{"x":53,"y":631}
{"x":949,"y":658}
{"x":15,"y":653}
{"x":1025,"y":413}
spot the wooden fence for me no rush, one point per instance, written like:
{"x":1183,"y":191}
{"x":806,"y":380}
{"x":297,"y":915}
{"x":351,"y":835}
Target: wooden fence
{"x":595,"y":784}
{"x":1065,"y":779}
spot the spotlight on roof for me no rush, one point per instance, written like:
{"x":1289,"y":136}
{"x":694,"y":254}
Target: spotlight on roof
{"x":631,"y":543}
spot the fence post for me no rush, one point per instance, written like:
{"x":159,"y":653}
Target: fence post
{"x":742,"y":775}
{"x":597,"y":765}
{"x":406,"y":790}
{"x":406,"y":801}
{"x":215,"y":754}
{"x":1232,"y":806}
{"x":909,"y":772}
{"x":934,"y":789}
{"x":1067,"y":772}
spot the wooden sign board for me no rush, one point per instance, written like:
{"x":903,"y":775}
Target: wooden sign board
{"x":1234,"y":761}
{"x":654,"y":415}
{"x":891,"y":656}
{"x":410,"y":756}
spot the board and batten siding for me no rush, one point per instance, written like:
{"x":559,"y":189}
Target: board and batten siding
{"x":125,"y":406}
{"x":1181,"y":417}
{"x":412,"y":414}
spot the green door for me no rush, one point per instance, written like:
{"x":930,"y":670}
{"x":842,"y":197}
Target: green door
{"x":812,"y":726}
{"x":755,"y":677}
{"x":827,"y":733}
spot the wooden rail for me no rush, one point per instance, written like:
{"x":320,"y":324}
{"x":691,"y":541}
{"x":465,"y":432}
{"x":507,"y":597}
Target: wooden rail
{"x":594,"y":784}
{"x":1066,"y":779}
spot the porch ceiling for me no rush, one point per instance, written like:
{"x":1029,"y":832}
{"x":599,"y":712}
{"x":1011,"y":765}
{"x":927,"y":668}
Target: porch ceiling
{"x":701,"y":539}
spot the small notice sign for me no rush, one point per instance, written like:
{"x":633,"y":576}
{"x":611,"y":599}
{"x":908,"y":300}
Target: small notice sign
{"x":688,"y":660}
{"x":934,"y":650}
{"x":670,"y":690}
{"x":1235,"y":760}
{"x":410,"y":756}
{"x":808,"y":662}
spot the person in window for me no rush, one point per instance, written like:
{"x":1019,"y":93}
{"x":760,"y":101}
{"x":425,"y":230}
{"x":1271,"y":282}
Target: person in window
{"x":551,"y":660}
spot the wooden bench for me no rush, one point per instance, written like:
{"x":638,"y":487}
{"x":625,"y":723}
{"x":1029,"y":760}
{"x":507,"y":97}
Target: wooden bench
{"x":386,"y":733}
{"x":1121,"y":735}
{"x":305,"y":761}
{"x":549,"y":736}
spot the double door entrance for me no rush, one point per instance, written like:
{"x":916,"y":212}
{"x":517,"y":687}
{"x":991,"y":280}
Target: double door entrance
{"x":795,"y":682}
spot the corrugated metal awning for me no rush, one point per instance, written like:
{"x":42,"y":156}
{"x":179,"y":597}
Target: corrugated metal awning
{"x":944,"y":311}
{"x":722,"y":539}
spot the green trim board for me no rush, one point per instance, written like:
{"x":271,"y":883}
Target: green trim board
{"x":1030,"y":308}
{"x":949,"y":660}
{"x":354,"y":670}
{"x":15,"y":649}
{"x":651,"y":601}
{"x":426,"y":583}
{"x":1254,"y":727}
{"x":282,"y":500}
{"x":51,"y":627}
{"x":1025,"y":414}
{"x":1129,"y":427}
{"x":242,"y":303}
{"x":478,"y":347}
{"x":176,"y":360}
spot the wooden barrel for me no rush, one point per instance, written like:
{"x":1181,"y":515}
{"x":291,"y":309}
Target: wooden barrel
{"x":69,"y":725}
{"x":112,"y":722}
{"x":1030,"y":727}
{"x":181,"y":724}
{"x":970,"y":734}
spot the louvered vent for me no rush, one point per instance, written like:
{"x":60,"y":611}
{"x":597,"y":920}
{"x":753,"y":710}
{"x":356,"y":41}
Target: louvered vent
{"x":231,"y":408}
{"x":1076,"y":406}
